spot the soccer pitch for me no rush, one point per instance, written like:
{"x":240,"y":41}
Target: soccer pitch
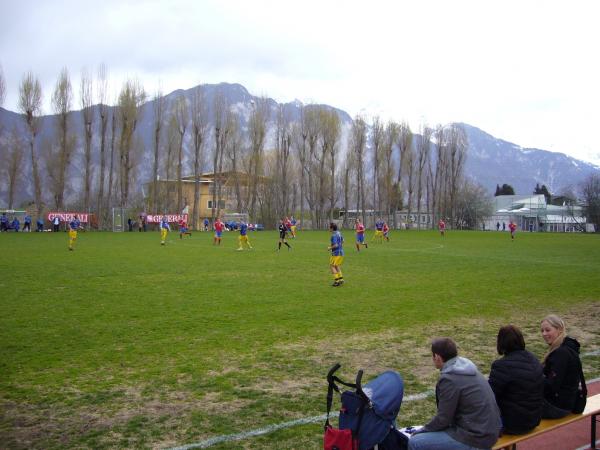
{"x":127,"y":343}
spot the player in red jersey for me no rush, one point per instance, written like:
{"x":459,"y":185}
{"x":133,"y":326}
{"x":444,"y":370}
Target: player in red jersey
{"x":386,"y":232}
{"x":360,"y":235}
{"x":512,"y":227}
{"x":219,"y":227}
{"x":183,"y":229}
{"x":442,"y":227}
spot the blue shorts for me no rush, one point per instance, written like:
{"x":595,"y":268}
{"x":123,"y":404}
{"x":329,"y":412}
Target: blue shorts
{"x":218,"y":234}
{"x":183,"y":230}
{"x":360,"y":238}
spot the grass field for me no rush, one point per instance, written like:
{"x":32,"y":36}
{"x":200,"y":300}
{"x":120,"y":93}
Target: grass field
{"x":124,"y":343}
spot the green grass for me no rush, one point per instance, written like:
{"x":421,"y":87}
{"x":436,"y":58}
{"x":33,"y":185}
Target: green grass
{"x":124,"y":343}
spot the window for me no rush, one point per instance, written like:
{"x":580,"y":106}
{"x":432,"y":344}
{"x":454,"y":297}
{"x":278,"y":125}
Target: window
{"x":221,"y":204}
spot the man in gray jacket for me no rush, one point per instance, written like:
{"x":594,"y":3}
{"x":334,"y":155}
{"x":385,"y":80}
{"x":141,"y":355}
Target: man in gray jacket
{"x":467,"y":415}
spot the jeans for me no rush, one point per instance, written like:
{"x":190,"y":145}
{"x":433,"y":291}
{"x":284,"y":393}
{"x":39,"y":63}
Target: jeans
{"x":435,"y":440}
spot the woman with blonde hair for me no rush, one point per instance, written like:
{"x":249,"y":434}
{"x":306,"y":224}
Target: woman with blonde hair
{"x":562,"y":368}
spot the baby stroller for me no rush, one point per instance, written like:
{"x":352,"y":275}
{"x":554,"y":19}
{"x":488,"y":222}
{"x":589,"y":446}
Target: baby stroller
{"x":368,"y":414}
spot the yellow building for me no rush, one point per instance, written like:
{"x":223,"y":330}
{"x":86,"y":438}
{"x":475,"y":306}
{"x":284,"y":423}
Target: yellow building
{"x":167,"y":193}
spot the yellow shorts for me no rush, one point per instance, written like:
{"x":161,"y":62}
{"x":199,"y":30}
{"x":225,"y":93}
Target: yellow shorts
{"x":336,"y":260}
{"x":72,"y":234}
{"x":378,"y":233}
{"x":163,"y":234}
{"x":243,"y":239}
{"x":294,"y":229}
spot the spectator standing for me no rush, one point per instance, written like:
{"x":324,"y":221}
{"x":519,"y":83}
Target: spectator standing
{"x":27,"y":223}
{"x":40,"y":225}
{"x":56,"y":224}
{"x":16,"y":224}
{"x":467,"y":415}
{"x":3,"y":222}
{"x":517,"y":380}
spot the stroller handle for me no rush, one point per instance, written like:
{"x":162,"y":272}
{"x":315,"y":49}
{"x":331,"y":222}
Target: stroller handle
{"x":332,"y":371}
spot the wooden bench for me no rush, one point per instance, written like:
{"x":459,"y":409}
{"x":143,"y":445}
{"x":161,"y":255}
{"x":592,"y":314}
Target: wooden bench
{"x":592,"y":409}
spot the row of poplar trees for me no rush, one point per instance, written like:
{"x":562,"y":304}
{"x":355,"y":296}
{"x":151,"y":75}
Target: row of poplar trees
{"x":301,"y":160}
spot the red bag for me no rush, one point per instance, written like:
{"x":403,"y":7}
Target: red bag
{"x":335,"y":439}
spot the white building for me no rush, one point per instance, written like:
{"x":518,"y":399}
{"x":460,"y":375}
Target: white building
{"x":532,"y":213}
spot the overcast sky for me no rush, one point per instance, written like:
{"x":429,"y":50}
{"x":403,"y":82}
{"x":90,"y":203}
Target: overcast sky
{"x":524,"y":71}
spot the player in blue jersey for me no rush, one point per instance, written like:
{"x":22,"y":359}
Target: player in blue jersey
{"x":337,"y":255}
{"x":378,"y":230}
{"x":74,"y":226}
{"x":244,"y":236}
{"x":164,"y":230}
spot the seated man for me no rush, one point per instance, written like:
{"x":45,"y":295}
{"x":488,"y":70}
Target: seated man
{"x":467,"y":415}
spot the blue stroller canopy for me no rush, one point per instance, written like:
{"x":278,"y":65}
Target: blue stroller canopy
{"x":386,"y":392}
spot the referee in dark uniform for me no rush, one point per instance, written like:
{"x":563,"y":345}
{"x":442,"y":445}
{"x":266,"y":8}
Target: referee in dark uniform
{"x":282,"y":234}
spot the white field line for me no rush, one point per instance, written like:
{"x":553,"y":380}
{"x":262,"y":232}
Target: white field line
{"x":306,"y":420}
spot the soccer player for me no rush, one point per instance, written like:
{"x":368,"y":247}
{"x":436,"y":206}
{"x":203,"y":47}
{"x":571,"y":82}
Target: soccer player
{"x":513,"y":228}
{"x":282,"y":234}
{"x":243,"y":238}
{"x":360,"y":235}
{"x":378,"y":230}
{"x":183,"y":229}
{"x":73,"y":227}
{"x":293,"y":229}
{"x":442,"y":227}
{"x":164,"y":229}
{"x":386,"y":232}
{"x":219,"y":226}
{"x":337,"y":255}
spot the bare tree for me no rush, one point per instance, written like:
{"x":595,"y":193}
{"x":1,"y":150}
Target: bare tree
{"x":358,"y":147}
{"x":183,"y":116}
{"x":103,"y":110}
{"x":423,"y":149}
{"x":114,"y":125}
{"x":377,"y":136}
{"x":12,"y":163}
{"x":159,"y":112}
{"x":390,"y":139}
{"x":258,"y":132}
{"x":457,"y":152}
{"x":283,"y":150}
{"x":590,"y":189}
{"x":62,"y":100}
{"x":30,"y":103}
{"x":170,"y":167}
{"x":87,"y":111}
{"x":330,"y":136}
{"x":300,"y":135}
{"x":235,"y":152}
{"x":404,"y":158}
{"x":130,"y":100}
{"x":199,"y":129}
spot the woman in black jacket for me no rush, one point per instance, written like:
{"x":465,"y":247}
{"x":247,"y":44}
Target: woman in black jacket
{"x":518,"y":383}
{"x":561,"y":367}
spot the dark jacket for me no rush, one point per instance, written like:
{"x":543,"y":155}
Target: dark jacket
{"x":561,"y":372}
{"x":467,"y":409}
{"x":517,"y":380}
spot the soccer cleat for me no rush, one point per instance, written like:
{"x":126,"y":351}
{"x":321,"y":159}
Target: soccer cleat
{"x":366,"y":245}
{"x":340,"y":282}
{"x":70,"y":249}
{"x":335,"y":284}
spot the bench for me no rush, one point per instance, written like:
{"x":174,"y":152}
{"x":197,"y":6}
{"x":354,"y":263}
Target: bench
{"x":592,"y":409}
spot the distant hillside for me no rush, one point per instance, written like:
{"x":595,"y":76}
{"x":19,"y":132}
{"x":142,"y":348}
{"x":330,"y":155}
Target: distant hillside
{"x":490,"y":161}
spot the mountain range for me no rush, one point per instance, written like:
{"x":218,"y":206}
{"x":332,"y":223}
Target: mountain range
{"x":490,"y":161}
